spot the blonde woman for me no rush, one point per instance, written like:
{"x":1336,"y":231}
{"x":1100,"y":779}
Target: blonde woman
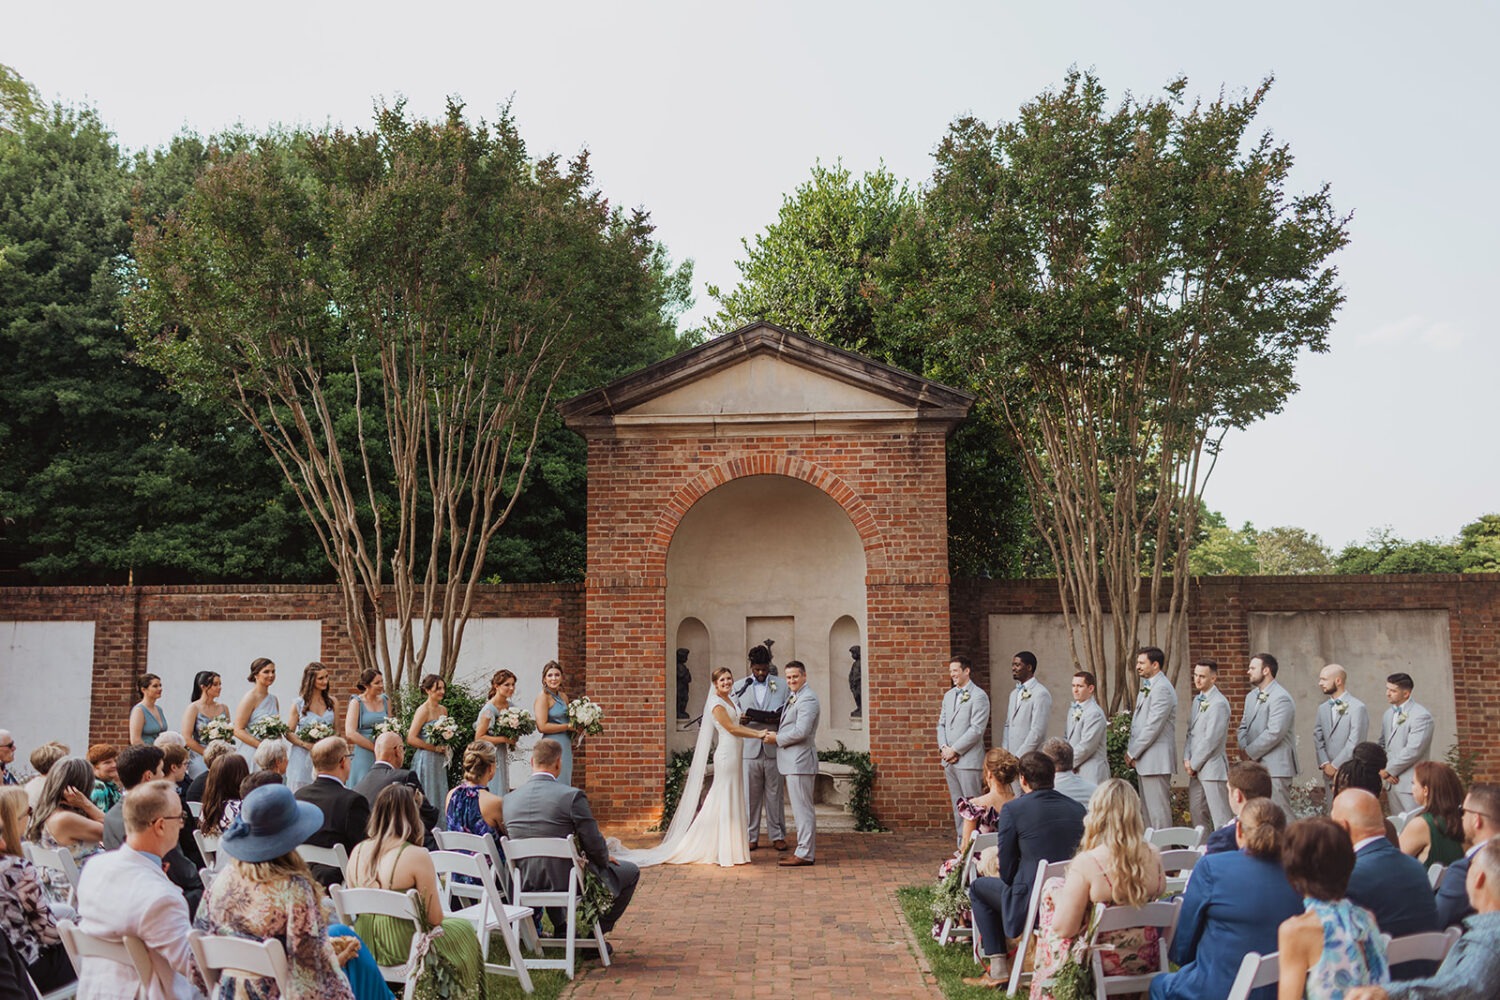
{"x":23,"y":900}
{"x":1114,"y":864}
{"x":472,"y":807}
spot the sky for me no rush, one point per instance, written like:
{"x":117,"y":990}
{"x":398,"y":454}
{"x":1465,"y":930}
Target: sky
{"x":707,"y":115}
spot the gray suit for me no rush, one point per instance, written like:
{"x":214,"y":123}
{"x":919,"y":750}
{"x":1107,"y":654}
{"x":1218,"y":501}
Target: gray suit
{"x":1335,"y":732}
{"x":1268,"y":734}
{"x":961,"y":725}
{"x":1203,"y":753}
{"x":762,"y":778}
{"x":1026,"y":717}
{"x":1153,"y":745}
{"x":1086,"y":726}
{"x":797,"y":757}
{"x":1407,"y":744}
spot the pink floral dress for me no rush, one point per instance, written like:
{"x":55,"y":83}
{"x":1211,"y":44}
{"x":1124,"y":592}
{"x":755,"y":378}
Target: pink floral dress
{"x":1133,"y":951}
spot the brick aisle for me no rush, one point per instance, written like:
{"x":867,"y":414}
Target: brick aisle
{"x":820,"y":933}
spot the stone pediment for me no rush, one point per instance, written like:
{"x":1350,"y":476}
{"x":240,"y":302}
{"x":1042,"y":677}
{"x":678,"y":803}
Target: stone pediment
{"x":759,"y":378}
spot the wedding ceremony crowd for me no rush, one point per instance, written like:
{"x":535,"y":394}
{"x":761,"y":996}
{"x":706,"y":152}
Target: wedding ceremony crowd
{"x":1323,"y":894}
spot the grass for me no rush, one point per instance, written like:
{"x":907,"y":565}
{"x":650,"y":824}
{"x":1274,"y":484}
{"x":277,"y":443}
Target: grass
{"x":949,"y":964}
{"x":549,"y":984}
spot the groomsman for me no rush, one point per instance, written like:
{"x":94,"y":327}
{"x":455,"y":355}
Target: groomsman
{"x":1268,"y":728}
{"x":762,"y":778}
{"x":1152,"y":749}
{"x":1406,"y":734}
{"x":962,"y":721}
{"x":1030,"y":705}
{"x":1203,"y":751}
{"x":1342,"y":722}
{"x":1086,"y":726}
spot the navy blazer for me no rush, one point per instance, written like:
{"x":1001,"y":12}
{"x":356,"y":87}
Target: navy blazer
{"x":1453,"y":894}
{"x":1234,"y":905}
{"x":1044,"y":825}
{"x":1394,"y":887}
{"x":1223,"y":839}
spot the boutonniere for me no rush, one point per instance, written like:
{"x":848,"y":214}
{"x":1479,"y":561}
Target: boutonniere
{"x":1262,"y":698}
{"x":1203,"y":703}
{"x":1400,"y":718}
{"x":771,"y":684}
{"x":1339,"y":706}
{"x":791,"y":701}
{"x":1077,"y":712}
{"x":1025,"y":694}
{"x":1145,"y":687}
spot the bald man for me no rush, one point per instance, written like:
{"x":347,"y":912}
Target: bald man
{"x":1391,"y":885}
{"x":1342,"y":721}
{"x":390,"y":751}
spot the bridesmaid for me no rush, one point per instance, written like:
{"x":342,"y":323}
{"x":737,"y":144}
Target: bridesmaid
{"x":147,"y":720}
{"x":258,"y":703}
{"x":204,"y":707}
{"x":551,"y":711}
{"x":430,"y":762}
{"x":502,"y":686}
{"x":367,"y":710}
{"x":312,"y":705}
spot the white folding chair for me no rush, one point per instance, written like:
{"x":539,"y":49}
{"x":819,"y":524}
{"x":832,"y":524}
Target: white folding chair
{"x":1400,"y":819}
{"x":1178,"y":866}
{"x":484,"y":846}
{"x":196,"y":808}
{"x":56,"y":859}
{"x":561,"y":848}
{"x":1256,"y":970}
{"x":241,"y":959}
{"x":1114,"y":918}
{"x":206,"y":876}
{"x":948,"y":932}
{"x":1171,"y":838}
{"x":1435,"y":874}
{"x":336,"y":856}
{"x":1044,"y":871}
{"x":1431,"y":946}
{"x":208,"y":847}
{"x":129,"y":951}
{"x":351,"y":904}
{"x":490,"y":914}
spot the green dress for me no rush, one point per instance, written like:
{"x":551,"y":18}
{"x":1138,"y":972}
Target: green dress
{"x":1444,"y":850}
{"x":454,"y":967}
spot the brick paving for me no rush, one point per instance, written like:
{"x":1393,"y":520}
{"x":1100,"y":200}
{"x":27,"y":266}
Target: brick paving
{"x":758,"y":931}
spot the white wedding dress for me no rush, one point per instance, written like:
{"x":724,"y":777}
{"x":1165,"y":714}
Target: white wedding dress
{"x":718,"y":834}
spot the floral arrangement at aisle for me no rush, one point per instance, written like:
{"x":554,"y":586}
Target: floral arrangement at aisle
{"x":312,"y":732}
{"x":269,"y":727}
{"x":586,"y":716}
{"x":216,"y":729}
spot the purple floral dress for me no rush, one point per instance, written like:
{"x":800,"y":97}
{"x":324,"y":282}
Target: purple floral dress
{"x":987,"y":820}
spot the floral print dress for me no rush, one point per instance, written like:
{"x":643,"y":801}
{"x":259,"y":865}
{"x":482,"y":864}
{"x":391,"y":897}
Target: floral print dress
{"x":1132,"y":951}
{"x":986,"y":820}
{"x":1352,"y":952}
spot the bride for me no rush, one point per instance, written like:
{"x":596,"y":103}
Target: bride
{"x":718,"y":833}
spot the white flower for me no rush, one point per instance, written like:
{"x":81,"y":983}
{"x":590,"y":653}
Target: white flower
{"x":1262,"y":698}
{"x":964,"y":696}
{"x":1025,"y":694}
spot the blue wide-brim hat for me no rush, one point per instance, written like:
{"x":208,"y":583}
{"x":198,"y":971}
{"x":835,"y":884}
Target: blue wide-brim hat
{"x":271,"y":823}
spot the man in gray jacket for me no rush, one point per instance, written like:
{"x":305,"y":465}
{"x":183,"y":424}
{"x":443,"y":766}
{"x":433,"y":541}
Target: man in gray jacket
{"x":797,"y":759}
{"x":1406,"y":734}
{"x":1342,"y":721}
{"x":1203,"y":750}
{"x":1029,"y":709}
{"x":962,"y":720}
{"x":1152,"y":749}
{"x":1085,"y":730}
{"x":1268,"y":729}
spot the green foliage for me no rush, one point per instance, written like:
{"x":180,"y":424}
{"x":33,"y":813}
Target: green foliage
{"x":19,"y":101}
{"x":1384,"y":552}
{"x":1223,"y":551}
{"x":464,"y":707}
{"x":950,"y":900}
{"x":1464,"y":761}
{"x":678,"y":766}
{"x":861,"y":789}
{"x":949,"y":964}
{"x":1479,"y":545}
{"x":1116,"y":742}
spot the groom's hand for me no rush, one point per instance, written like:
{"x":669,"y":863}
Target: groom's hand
{"x":768,"y":737}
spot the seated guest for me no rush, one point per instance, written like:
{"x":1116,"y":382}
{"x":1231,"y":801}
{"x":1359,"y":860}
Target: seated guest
{"x":1389,"y":884}
{"x":1335,"y":944}
{"x":1041,"y":824}
{"x":1362,"y":770}
{"x":266,"y":892}
{"x":1247,"y":780}
{"x":126,"y":892}
{"x":42,"y":759}
{"x":345,"y":811}
{"x":1234,"y":903}
{"x":472,"y":807}
{"x":1471,"y":970}
{"x":1067,"y":781}
{"x":257,"y":780}
{"x":66,"y":818}
{"x":221,"y":796}
{"x":174,"y":763}
{"x":1481,"y":823}
{"x":211,"y":753}
{"x":387,"y":770}
{"x":1114,"y":864}
{"x":273,"y":755}
{"x":29,"y":924}
{"x":1435,"y":836}
{"x":102,"y":757}
{"x":393,"y":858}
{"x":137,"y":765}
{"x":981,"y":814}
{"x":7,"y":758}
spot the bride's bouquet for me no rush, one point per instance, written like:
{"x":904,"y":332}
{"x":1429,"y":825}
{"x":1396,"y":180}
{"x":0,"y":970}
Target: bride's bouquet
{"x":442,"y":732}
{"x":216,"y":729}
{"x":586,"y":716}
{"x":269,"y":727}
{"x":312,"y":732}
{"x":388,"y":725}
{"x":513,"y":723}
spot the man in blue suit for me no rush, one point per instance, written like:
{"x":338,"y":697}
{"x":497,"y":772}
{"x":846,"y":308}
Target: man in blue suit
{"x":1042,"y":824}
{"x":1391,"y":885}
{"x":1481,"y":823}
{"x":1247,"y":780}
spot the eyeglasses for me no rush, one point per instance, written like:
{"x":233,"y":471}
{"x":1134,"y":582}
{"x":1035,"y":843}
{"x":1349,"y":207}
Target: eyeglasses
{"x":348,"y":756}
{"x":1477,"y":812}
{"x":7,"y":746}
{"x":177,"y":816}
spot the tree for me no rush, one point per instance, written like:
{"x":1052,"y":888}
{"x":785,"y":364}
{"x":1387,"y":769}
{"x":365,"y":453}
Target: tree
{"x":1123,"y":286}
{"x":1223,"y":551}
{"x":19,"y":101}
{"x":1384,"y":552}
{"x":1479,"y":545}
{"x":1291,"y":551}
{"x":392,"y":312}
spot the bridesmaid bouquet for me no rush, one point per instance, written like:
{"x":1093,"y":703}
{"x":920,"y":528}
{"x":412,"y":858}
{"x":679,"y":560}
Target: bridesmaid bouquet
{"x":216,"y":729}
{"x":586,"y":716}
{"x":312,"y":732}
{"x":513,"y":723}
{"x":388,"y":725}
{"x":442,"y":732}
{"x":269,"y":727}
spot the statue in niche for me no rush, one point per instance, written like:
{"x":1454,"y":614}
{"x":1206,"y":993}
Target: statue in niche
{"x":765,"y":646}
{"x":856,"y":684}
{"x":684,"y":681}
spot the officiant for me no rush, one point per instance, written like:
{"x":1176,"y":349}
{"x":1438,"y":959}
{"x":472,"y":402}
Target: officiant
{"x":762,"y":692}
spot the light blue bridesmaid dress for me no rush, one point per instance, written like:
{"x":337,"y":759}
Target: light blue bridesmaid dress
{"x":431,"y":770}
{"x":500,"y":783}
{"x":268,"y":706}
{"x":557,"y":714}
{"x":154,"y":725}
{"x":299,"y":769}
{"x":195,"y":761}
{"x":368,"y":720}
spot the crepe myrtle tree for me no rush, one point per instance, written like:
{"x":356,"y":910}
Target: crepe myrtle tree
{"x":391,"y":310}
{"x":1123,"y":285}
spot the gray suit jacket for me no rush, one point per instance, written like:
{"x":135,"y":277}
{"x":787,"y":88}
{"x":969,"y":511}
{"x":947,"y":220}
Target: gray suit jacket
{"x":1406,"y":743}
{"x":796,"y":749}
{"x":1153,"y":728}
{"x":1026,"y":717}
{"x":1335,"y":732}
{"x":775,"y":697}
{"x":545,"y":807}
{"x":961,"y":725}
{"x":1268,"y":730}
{"x":1207,"y":732}
{"x":1086,"y":725}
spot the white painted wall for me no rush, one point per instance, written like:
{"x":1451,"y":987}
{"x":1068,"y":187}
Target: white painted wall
{"x":46,"y":684}
{"x":177,"y":650}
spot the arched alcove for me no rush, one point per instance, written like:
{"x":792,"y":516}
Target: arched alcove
{"x":692,"y":637}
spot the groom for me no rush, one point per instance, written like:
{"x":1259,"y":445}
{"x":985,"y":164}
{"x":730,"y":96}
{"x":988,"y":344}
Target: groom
{"x":797,"y":759}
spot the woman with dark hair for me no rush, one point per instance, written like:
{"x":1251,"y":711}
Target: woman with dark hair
{"x":147,"y":720}
{"x":1336,"y":945}
{"x":23,"y":901}
{"x":258,"y":703}
{"x":367,"y":710}
{"x":1233,"y":905}
{"x":1435,"y":836}
{"x":66,"y":818}
{"x":502,"y":688}
{"x":551,"y":711}
{"x":312,"y":706}
{"x":202,"y":709}
{"x":430,"y":761}
{"x":221,"y":796}
{"x":1362,"y":770}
